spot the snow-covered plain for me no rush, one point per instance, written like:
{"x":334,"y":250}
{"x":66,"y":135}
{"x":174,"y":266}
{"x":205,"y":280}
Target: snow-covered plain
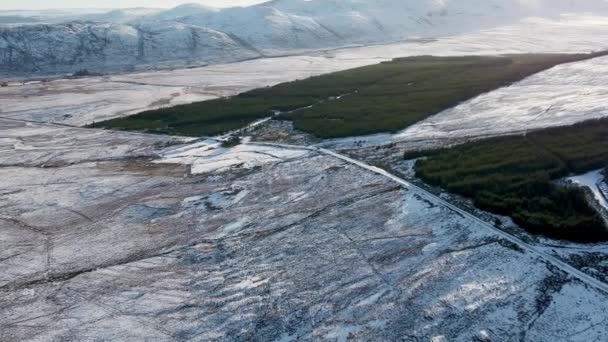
{"x":82,"y":101}
{"x":99,"y":240}
{"x":78,"y":102}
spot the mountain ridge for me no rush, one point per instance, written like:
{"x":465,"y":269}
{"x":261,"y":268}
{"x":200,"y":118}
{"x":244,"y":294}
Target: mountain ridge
{"x":194,"y":35}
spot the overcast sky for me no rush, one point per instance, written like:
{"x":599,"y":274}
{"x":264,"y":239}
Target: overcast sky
{"x":45,"y":4}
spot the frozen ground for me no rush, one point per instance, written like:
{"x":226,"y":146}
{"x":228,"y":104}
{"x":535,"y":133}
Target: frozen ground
{"x":100,"y":242}
{"x":78,"y":102}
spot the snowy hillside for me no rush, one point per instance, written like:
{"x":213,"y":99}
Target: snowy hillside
{"x":193,"y":34}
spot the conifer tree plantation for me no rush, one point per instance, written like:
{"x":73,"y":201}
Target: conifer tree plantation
{"x":386,"y":97}
{"x":514,"y":176}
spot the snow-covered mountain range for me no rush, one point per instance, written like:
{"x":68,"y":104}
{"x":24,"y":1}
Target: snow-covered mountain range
{"x":191,"y":34}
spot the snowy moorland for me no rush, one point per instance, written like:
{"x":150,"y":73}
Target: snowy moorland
{"x":301,"y":245}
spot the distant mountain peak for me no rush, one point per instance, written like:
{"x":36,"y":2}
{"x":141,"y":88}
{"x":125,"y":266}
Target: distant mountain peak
{"x":195,"y":6}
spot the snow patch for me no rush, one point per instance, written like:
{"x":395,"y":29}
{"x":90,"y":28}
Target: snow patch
{"x":592,"y":180}
{"x":210,"y":157}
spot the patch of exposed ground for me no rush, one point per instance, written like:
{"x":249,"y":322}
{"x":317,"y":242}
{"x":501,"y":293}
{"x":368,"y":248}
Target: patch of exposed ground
{"x":281,"y":132}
